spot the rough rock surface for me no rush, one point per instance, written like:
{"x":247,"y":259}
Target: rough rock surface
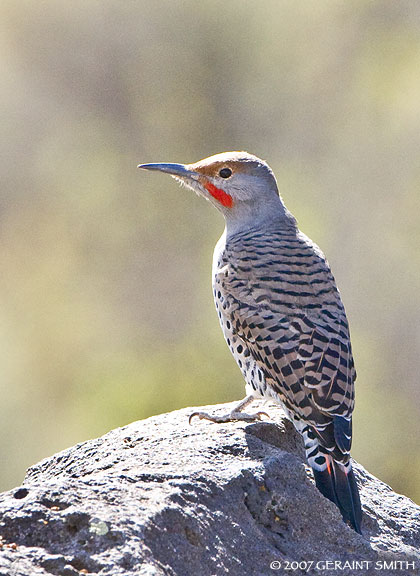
{"x":160,"y":497}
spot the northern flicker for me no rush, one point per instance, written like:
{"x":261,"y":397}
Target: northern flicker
{"x":281,"y":315}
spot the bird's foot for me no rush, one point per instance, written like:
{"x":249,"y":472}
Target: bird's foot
{"x":234,"y":416}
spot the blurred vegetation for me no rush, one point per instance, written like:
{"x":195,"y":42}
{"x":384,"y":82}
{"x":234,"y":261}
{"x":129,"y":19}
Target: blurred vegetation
{"x":106,"y":309}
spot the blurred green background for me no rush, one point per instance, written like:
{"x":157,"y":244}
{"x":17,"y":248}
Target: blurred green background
{"x":106,"y":309}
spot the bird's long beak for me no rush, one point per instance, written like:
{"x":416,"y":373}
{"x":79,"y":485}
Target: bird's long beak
{"x":177,"y":170}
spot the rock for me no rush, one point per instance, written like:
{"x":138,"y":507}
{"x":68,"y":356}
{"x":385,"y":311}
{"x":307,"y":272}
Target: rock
{"x":161,"y":497}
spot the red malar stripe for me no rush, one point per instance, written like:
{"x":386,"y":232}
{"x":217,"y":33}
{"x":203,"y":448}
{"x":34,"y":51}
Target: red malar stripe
{"x":219,"y":194}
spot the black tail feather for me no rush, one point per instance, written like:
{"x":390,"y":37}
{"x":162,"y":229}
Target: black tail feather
{"x":325,"y":483}
{"x":340,"y":487}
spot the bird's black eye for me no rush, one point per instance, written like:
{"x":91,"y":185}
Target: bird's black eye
{"x":225,"y":173}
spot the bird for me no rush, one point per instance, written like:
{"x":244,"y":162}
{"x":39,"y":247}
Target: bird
{"x":282,"y":316}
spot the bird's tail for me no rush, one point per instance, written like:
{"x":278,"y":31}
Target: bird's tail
{"x":337,"y":483}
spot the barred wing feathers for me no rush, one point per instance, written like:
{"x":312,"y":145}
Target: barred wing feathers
{"x":282,"y":301}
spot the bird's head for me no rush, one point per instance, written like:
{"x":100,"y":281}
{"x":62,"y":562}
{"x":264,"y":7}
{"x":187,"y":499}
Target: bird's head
{"x":240,"y":185}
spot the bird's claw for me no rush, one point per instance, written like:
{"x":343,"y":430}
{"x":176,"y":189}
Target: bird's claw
{"x":232,"y":417}
{"x":191,"y":416}
{"x":262,"y":413}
